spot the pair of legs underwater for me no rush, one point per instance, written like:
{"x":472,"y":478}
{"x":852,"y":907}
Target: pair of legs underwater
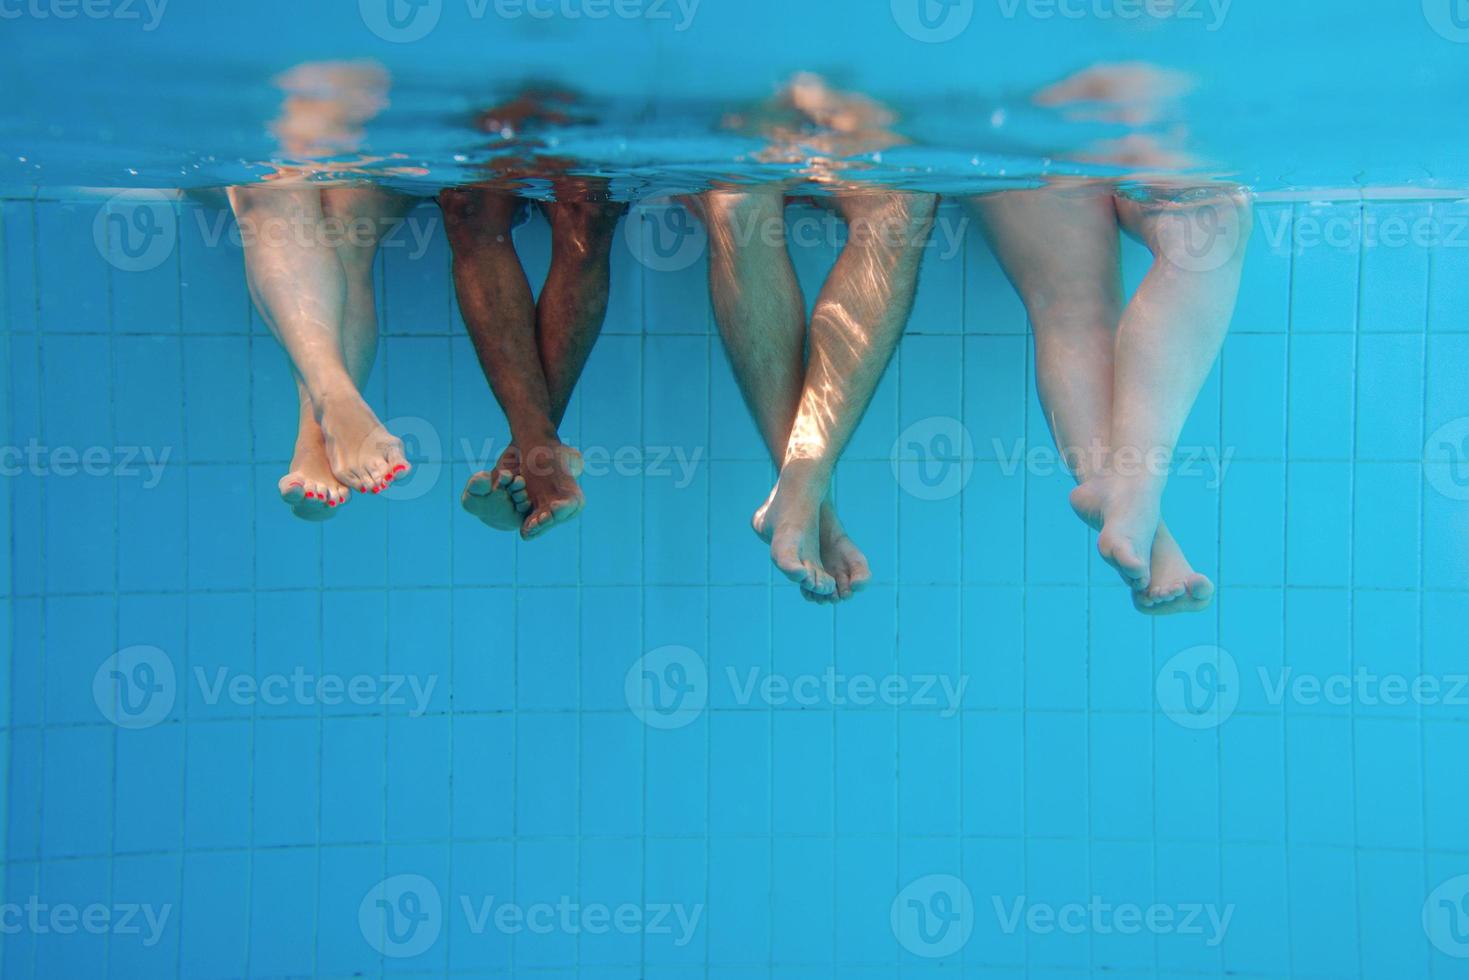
{"x":808,"y":388}
{"x":532,"y":351}
{"x":308,"y":261}
{"x":1117,"y":382}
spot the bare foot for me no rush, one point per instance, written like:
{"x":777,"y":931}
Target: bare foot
{"x":310,"y":489}
{"x":841,"y":558}
{"x":1175,"y":587}
{"x":498,"y":497}
{"x":1126,"y":512}
{"x":550,"y":471}
{"x":790,"y":521}
{"x":363,"y":454}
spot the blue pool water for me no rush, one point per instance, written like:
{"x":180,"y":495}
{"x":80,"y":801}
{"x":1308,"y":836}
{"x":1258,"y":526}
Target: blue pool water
{"x":401,"y":745}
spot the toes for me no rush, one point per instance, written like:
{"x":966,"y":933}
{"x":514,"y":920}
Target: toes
{"x":396,"y":462}
{"x":377,"y":472}
{"x":480,"y":484}
{"x":821,"y":583}
{"x":1200,"y":588}
{"x":843,"y":586}
{"x":293,"y":489}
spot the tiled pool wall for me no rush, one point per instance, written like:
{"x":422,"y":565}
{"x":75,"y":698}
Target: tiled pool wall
{"x":793,"y":826}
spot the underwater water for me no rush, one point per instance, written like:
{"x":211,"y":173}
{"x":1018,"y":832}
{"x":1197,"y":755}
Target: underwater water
{"x":401,"y":744}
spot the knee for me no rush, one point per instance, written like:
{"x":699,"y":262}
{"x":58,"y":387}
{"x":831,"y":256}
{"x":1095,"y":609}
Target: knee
{"x":894,"y":222}
{"x":582,"y":231}
{"x":742,"y":218}
{"x":476,"y":218}
{"x":1199,"y":235}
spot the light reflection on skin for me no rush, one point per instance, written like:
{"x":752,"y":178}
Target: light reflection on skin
{"x":809,"y":385}
{"x":1118,"y":380}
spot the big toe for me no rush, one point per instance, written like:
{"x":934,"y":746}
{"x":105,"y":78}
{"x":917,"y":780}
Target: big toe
{"x":1199,"y":587}
{"x":293,"y":489}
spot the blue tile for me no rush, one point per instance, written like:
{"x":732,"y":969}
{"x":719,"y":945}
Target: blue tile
{"x":864,"y":773}
{"x":673,"y":878}
{"x":802,"y":923}
{"x":611,"y":774}
{"x":480,"y":870}
{"x":741,"y":915}
{"x":345,"y":876}
{"x":1120,"y":752}
{"x":1186,"y":806}
{"x":1264,"y":303}
{"x":1448,"y":277}
{"x":1252,"y":524}
{"x":419,"y":654}
{"x":17,"y":221}
{"x":1055,"y":775}
{"x":151,"y":885}
{"x":1389,"y":784}
{"x":213,"y":295}
{"x":77,"y":790}
{"x":74,"y":884}
{"x":929,"y":746}
{"x":285,"y":781}
{"x":938,"y":306}
{"x":483,"y":666}
{"x":991,"y":305}
{"x":216,"y":895}
{"x":217,"y":785}
{"x":150,"y":788}
{"x":1386,"y":551}
{"x":415,"y":275}
{"x":1320,"y":780}
{"x":71,"y":284}
{"x":1055,"y":649}
{"x":1318,"y":524}
{"x":282,"y":910}
{"x":1318,"y":652}
{"x":1391,"y":888}
{"x":994,"y":659}
{"x":352,"y":785}
{"x":1445,"y":797}
{"x":1252,"y":779}
{"x":1395,"y":267}
{"x":1253,"y":380}
{"x":801,"y":754}
{"x":1255,"y":884}
{"x":1390,"y":397}
{"x":220,"y":518}
{"x":607,"y":869}
{"x":1323,"y":919}
{"x":1321,"y":397}
{"x":418,"y":779}
{"x":545,"y":767}
{"x":1324,"y":280}
{"x":545,"y":871}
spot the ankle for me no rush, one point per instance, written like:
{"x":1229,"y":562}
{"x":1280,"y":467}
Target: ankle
{"x":804,"y":479}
